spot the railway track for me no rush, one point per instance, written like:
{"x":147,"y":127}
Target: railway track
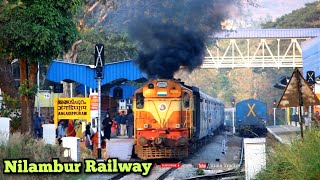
{"x":156,"y":173}
{"x":236,"y":172}
{"x":159,"y":172}
{"x":229,"y":173}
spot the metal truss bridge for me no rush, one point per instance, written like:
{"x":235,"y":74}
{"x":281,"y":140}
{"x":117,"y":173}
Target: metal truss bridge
{"x":258,"y":48}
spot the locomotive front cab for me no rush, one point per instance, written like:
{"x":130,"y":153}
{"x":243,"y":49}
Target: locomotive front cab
{"x":163,"y":120}
{"x":251,"y":118}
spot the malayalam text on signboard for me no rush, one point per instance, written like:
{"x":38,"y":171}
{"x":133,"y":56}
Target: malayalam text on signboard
{"x":72,"y":108}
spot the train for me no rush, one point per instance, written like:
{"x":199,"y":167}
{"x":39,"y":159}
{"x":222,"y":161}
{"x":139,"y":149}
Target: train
{"x":170,"y":118}
{"x":251,"y":117}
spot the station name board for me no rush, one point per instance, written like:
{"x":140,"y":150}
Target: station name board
{"x":72,"y":108}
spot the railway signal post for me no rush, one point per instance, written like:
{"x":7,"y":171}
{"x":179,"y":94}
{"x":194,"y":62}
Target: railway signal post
{"x":1,"y":99}
{"x":311,"y":79}
{"x":274,"y":112}
{"x":233,"y":102}
{"x":99,"y":62}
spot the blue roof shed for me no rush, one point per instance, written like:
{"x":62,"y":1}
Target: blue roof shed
{"x":311,"y":56}
{"x":85,"y":74}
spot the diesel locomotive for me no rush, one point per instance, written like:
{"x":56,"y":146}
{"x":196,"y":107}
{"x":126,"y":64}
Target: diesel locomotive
{"x":171,"y":117}
{"x":251,"y":116}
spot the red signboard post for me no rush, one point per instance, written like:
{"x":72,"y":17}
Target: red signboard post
{"x":94,"y":102}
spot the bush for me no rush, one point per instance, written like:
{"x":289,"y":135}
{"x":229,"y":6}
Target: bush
{"x":300,"y":160}
{"x":24,"y":146}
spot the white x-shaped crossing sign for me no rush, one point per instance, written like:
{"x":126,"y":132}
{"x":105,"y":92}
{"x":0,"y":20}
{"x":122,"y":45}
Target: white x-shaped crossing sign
{"x":310,"y":77}
{"x":98,"y":52}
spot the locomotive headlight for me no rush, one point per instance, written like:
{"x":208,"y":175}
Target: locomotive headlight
{"x":150,"y":86}
{"x":158,"y":140}
{"x":182,"y":141}
{"x":143,"y":141}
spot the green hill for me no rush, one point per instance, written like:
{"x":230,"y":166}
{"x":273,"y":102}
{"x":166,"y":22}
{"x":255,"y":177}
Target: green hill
{"x":307,"y":17}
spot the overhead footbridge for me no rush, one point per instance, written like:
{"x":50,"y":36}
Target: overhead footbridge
{"x":263,"y":48}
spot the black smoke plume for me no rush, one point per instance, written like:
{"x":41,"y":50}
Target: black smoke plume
{"x":164,"y":48}
{"x":173,"y":33}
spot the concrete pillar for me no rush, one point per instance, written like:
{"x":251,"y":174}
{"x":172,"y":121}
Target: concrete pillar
{"x":119,"y":149}
{"x":49,"y":133}
{"x":255,"y":156}
{"x":74,"y":144}
{"x":4,"y":129}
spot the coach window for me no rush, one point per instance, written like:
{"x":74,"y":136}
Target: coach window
{"x":186,"y":99}
{"x":140,"y":100}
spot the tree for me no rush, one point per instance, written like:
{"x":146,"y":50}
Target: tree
{"x":89,"y":24}
{"x":117,"y":46}
{"x":35,"y":31}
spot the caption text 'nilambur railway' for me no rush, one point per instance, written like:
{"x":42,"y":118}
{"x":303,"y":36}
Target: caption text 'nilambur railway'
{"x":23,"y":166}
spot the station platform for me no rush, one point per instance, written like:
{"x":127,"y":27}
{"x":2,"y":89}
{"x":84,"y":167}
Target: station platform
{"x":285,"y":134}
{"x":117,"y":147}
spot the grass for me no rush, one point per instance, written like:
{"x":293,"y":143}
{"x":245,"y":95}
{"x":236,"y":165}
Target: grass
{"x":24,"y":146}
{"x":300,"y":160}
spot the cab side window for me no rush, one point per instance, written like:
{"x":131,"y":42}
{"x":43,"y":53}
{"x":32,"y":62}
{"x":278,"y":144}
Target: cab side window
{"x":140,"y":100}
{"x":186,"y":100}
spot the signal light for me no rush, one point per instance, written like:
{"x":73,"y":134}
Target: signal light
{"x":99,"y":72}
{"x":275,"y":103}
{"x":233,"y":102}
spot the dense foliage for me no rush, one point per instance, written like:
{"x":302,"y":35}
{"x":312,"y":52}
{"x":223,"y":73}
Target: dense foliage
{"x":300,"y":160}
{"x":35,"y":32}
